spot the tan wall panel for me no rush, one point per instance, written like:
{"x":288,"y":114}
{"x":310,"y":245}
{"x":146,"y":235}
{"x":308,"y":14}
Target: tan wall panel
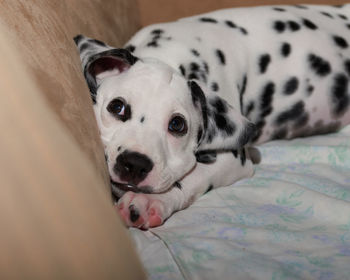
{"x":56,"y":219}
{"x":42,"y":31}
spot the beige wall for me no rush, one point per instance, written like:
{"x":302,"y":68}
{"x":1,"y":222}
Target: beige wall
{"x":152,"y":11}
{"x":43,"y":31}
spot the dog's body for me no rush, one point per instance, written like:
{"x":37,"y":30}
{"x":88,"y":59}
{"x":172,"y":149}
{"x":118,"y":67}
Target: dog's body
{"x":195,"y":86}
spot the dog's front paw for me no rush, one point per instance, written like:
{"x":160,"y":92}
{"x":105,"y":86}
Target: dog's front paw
{"x":141,"y":210}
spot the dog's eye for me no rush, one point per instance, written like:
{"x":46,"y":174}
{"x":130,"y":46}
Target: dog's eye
{"x":119,"y":109}
{"x":116,"y":107}
{"x":177,"y":125}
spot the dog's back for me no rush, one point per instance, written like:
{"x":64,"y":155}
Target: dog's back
{"x":289,"y":64}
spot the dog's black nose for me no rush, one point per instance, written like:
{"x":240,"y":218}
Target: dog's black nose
{"x":133,"y":167}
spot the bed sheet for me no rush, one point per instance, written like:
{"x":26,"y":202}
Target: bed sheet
{"x":291,"y":220}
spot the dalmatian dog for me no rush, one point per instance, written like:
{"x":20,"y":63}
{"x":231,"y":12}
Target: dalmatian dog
{"x":179,"y":105}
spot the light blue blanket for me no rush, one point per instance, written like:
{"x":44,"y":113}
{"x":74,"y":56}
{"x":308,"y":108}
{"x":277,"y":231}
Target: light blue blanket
{"x":291,"y":220}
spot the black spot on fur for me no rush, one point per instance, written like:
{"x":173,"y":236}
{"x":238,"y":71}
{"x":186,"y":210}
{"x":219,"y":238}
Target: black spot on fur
{"x":249,"y":132}
{"x":142,"y":119}
{"x":203,"y":76}
{"x":199,"y":135}
{"x":97,"y":42}
{"x":130,"y":48}
{"x":198,"y":99}
{"x":291,"y":86}
{"x":348,"y":25}
{"x":210,"y":136}
{"x":279,"y":26}
{"x":178,"y":185}
{"x":340,"y":94}
{"x":235,"y":153}
{"x":301,"y":120}
{"x":194,"y":66}
{"x":153,"y":44}
{"x":242,"y":91}
{"x":340,"y":42}
{"x":207,"y":19}
{"x":193,"y":76}
{"x":347,"y":66}
{"x":214,"y":86}
{"x":83,"y":47}
{"x":260,"y":125}
{"x":78,"y":38}
{"x":206,"y":67}
{"x":301,"y":7}
{"x":134,"y":213}
{"x":293,"y":26}
{"x":220,"y":121}
{"x":327,"y":14}
{"x":320,"y":66}
{"x":344,"y":17}
{"x":157,"y":31}
{"x":279,"y":9}
{"x":221,"y":56}
{"x":266,"y":99}
{"x":196,"y":72}
{"x":219,"y":105}
{"x":182,"y":70}
{"x":279,"y":134}
{"x":223,"y":124}
{"x":209,"y":189}
{"x":243,"y":156}
{"x":286,"y":49}
{"x":229,"y":23}
{"x":310,"y":89}
{"x":309,"y":24}
{"x":249,"y":108}
{"x":264,"y":62}
{"x":195,"y":52}
{"x":157,"y":37}
{"x":289,"y":115}
{"x":243,"y":31}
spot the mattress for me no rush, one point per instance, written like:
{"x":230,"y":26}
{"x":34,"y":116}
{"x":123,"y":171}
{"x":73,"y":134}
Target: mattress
{"x":291,"y":220}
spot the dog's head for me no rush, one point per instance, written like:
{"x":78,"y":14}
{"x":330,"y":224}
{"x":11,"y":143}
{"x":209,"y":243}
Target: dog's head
{"x":153,"y":122}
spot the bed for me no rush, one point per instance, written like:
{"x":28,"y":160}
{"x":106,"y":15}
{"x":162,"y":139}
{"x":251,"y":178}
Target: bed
{"x":291,"y":220}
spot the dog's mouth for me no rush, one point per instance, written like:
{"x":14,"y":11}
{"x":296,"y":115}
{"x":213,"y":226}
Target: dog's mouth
{"x":130,"y":187}
{"x":144,"y":189}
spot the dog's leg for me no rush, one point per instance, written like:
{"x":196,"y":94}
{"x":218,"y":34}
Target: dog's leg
{"x":151,"y":210}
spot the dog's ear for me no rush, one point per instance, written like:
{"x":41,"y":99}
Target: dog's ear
{"x":224,"y":127}
{"x":100,"y":61}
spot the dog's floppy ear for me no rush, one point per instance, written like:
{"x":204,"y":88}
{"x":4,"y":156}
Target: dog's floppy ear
{"x":100,"y":61}
{"x":224,"y":127}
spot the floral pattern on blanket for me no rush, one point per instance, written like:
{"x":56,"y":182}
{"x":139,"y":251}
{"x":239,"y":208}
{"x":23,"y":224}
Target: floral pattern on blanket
{"x":291,"y":220}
